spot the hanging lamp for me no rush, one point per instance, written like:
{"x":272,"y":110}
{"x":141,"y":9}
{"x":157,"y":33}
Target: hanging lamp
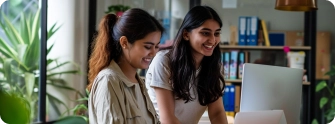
{"x":296,"y":5}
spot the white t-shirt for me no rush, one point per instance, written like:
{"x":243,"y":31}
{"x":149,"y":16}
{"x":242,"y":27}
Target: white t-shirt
{"x":158,"y":75}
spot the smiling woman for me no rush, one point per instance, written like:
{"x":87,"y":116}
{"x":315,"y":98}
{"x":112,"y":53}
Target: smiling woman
{"x":123,"y":45}
{"x":186,"y":79}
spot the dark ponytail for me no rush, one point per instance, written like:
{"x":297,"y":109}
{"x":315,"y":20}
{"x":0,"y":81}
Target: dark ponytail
{"x":102,"y":47}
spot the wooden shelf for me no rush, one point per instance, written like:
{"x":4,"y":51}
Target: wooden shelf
{"x":240,"y":81}
{"x":264,"y":47}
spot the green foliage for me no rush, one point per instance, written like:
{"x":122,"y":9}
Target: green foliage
{"x":315,"y":121}
{"x":79,"y":112}
{"x":329,"y":98}
{"x":19,"y":57}
{"x":13,"y":108}
{"x":117,"y":8}
{"x":72,"y":120}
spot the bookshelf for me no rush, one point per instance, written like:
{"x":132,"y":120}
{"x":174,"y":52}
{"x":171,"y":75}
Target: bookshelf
{"x":240,"y":81}
{"x":264,"y":47}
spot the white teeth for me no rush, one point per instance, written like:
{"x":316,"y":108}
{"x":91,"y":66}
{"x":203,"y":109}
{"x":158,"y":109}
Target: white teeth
{"x":208,"y":46}
{"x":146,"y":59}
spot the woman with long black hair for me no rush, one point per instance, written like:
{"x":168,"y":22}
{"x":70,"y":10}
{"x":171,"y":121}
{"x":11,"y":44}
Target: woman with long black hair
{"x":186,"y":79}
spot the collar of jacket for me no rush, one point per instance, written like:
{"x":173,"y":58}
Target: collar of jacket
{"x":117,"y":70}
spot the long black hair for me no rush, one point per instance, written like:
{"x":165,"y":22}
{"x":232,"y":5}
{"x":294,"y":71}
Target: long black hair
{"x":135,"y":24}
{"x":210,"y":81}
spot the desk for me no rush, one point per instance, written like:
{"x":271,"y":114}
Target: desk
{"x":205,"y":119}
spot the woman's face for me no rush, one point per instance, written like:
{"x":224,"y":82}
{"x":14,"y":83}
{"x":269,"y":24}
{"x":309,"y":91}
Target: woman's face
{"x":142,"y":51}
{"x":204,"y":39}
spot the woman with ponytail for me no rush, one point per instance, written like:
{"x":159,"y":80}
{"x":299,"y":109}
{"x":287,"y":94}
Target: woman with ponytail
{"x":123,"y":45}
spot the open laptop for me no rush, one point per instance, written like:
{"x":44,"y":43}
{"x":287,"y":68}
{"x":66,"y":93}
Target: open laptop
{"x":266,"y":87}
{"x":261,"y":117}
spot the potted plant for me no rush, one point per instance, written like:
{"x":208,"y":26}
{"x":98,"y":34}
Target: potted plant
{"x":117,"y":9}
{"x":328,"y":100}
{"x":19,"y":62}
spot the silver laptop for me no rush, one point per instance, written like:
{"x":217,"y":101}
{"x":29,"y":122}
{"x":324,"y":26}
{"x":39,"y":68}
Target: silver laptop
{"x":261,"y":117}
{"x":266,"y":87}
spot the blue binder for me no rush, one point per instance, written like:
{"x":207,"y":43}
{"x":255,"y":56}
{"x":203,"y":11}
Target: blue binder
{"x":231,"y":98}
{"x":253,"y":36}
{"x":242,"y":30}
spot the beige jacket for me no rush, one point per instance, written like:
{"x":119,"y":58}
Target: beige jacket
{"x":111,"y":99}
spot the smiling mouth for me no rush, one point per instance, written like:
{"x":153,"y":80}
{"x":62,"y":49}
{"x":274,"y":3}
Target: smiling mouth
{"x":208,"y":46}
{"x":147,"y":59}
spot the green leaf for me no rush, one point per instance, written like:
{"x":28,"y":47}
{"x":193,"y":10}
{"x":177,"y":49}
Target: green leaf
{"x":330,"y":115}
{"x":50,"y":61}
{"x":58,"y":66}
{"x":14,"y":3}
{"x":320,"y":86}
{"x":78,"y":108}
{"x":57,"y":100}
{"x":8,"y":69}
{"x":323,"y":102}
{"x":13,"y":32}
{"x":8,"y":33}
{"x":53,"y":30}
{"x":35,"y":27}
{"x":64,"y":72}
{"x":24,"y":29}
{"x":31,"y":57}
{"x":66,"y":88}
{"x":87,"y":92}
{"x":332,"y":104}
{"x":315,"y":121}
{"x":62,"y":87}
{"x":33,"y":51}
{"x":57,"y":80}
{"x":72,"y":120}
{"x":7,"y":52}
{"x":49,"y":49}
{"x":14,"y":107}
{"x":54,"y":106}
{"x":30,"y":82}
{"x":21,"y":49}
{"x":330,"y":73}
{"x":6,"y":49}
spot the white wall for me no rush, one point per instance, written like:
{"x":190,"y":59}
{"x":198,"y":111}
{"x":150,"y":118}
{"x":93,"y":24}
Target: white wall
{"x":71,"y":42}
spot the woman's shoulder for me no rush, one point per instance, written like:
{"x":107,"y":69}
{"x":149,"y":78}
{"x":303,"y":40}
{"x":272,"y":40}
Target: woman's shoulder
{"x":106,"y":75}
{"x":102,"y":81}
{"x":162,"y":53}
{"x":161,"y":56}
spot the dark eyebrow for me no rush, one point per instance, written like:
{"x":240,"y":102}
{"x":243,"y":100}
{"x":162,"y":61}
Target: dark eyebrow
{"x":151,"y":43}
{"x":207,"y":29}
